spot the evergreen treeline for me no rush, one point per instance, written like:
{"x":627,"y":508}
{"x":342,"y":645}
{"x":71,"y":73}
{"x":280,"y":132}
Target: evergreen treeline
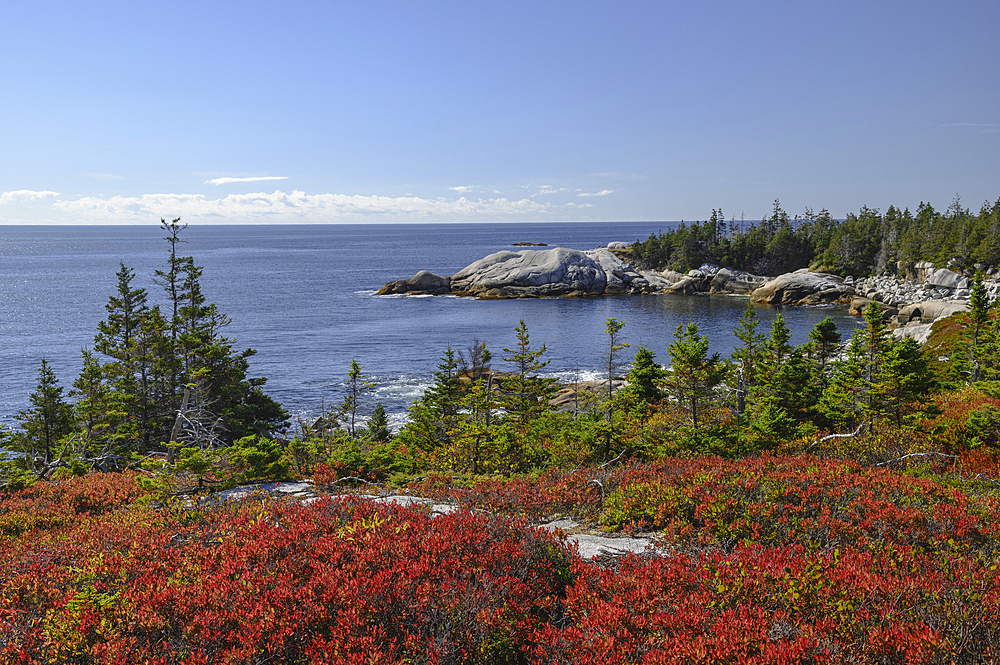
{"x":156,"y":374}
{"x":869,"y":242}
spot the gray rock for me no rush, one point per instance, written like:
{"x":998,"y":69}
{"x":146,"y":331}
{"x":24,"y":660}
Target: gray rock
{"x":547,"y":272}
{"x":931,"y":311}
{"x":619,"y":245}
{"x":920,"y":332}
{"x":590,"y":545}
{"x":795,"y":287}
{"x":672,"y":276}
{"x":734,"y":281}
{"x":688,"y":286}
{"x":947,"y":279}
{"x":422,"y":282}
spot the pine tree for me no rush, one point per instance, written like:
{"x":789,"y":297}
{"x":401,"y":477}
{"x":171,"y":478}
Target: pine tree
{"x":434,"y":416}
{"x":645,"y":378}
{"x":378,"y":425}
{"x":694,"y":374}
{"x":613,"y":364}
{"x":47,"y":422}
{"x":167,"y":370}
{"x":527,"y":395}
{"x":747,"y":358}
{"x":101,"y":410}
{"x":844,"y":401}
{"x":444,"y":394}
{"x":824,"y":339}
{"x":904,"y":381}
{"x":357,"y":387}
{"x":979,"y":317}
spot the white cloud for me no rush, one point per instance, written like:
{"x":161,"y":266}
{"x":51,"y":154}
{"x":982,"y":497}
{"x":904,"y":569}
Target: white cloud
{"x":256,"y":178}
{"x":293,"y":207}
{"x":603,"y":192}
{"x":461,"y":189}
{"x":545,"y":190}
{"x":26,"y":195}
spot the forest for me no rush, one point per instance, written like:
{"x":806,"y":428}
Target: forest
{"x":833,"y":502}
{"x":864,"y":243}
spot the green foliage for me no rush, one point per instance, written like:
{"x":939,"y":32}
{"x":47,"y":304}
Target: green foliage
{"x":694,"y":374}
{"x":613,"y":364}
{"x":357,"y":388}
{"x":378,"y":425}
{"x":151,"y":365}
{"x":526,"y":395}
{"x":256,"y":458}
{"x":201,"y":463}
{"x":863,"y":243}
{"x":645,"y":379}
{"x":45,"y":424}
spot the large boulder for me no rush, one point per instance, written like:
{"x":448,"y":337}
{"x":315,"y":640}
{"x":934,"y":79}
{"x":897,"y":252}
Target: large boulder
{"x":548,"y":272}
{"x":803,"y":288}
{"x":727,"y":280}
{"x":422,"y":282}
{"x":930,"y":311}
{"x":947,"y":279}
{"x":689,"y":285}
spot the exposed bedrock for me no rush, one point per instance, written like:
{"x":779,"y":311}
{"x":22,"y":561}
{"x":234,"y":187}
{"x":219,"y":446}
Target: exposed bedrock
{"x":422,"y":282}
{"x":533,"y":273}
{"x":804,"y":288}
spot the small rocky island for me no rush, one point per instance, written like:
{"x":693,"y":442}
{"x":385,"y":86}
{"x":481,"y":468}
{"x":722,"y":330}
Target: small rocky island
{"x":917,"y":297}
{"x":563,"y":272}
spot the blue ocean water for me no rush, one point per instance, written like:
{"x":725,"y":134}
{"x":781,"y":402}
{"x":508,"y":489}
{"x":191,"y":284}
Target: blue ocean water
{"x":303,"y":297}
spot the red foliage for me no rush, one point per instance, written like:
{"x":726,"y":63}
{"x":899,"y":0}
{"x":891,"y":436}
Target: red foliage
{"x":773,"y":560}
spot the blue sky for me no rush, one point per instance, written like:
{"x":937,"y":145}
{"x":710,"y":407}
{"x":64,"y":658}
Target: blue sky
{"x":252,"y":112}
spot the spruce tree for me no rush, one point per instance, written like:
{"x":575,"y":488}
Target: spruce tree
{"x":844,"y":400}
{"x":526,"y":395}
{"x":905,"y":381}
{"x":747,"y":357}
{"x":645,"y":378}
{"x":613,"y":364}
{"x":357,"y":387}
{"x":47,"y":422}
{"x":979,"y":317}
{"x":694,"y":374}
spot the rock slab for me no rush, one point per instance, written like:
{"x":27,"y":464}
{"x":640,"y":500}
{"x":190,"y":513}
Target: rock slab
{"x":803,"y":288}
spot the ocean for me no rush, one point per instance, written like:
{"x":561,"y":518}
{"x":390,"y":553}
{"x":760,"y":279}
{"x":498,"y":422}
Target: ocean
{"x":304,"y":297}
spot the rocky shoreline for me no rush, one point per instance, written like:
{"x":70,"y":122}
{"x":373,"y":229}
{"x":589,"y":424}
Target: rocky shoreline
{"x":561,"y":272}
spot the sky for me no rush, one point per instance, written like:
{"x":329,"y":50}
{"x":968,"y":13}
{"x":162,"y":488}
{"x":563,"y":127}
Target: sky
{"x":387,"y":112}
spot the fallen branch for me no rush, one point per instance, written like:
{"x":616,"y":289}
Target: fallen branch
{"x":979,"y":475}
{"x":614,"y":460}
{"x":838,"y":436}
{"x":899,"y":459}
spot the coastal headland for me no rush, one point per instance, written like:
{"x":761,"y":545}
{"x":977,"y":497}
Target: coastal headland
{"x":913,"y":297}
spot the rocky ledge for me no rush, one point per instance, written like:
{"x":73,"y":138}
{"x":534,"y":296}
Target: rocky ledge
{"x":804,"y":288}
{"x":559,"y":271}
{"x":532,"y":273}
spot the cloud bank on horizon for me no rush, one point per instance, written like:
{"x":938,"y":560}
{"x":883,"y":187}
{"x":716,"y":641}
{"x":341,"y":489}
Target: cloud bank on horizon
{"x":278,"y":207}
